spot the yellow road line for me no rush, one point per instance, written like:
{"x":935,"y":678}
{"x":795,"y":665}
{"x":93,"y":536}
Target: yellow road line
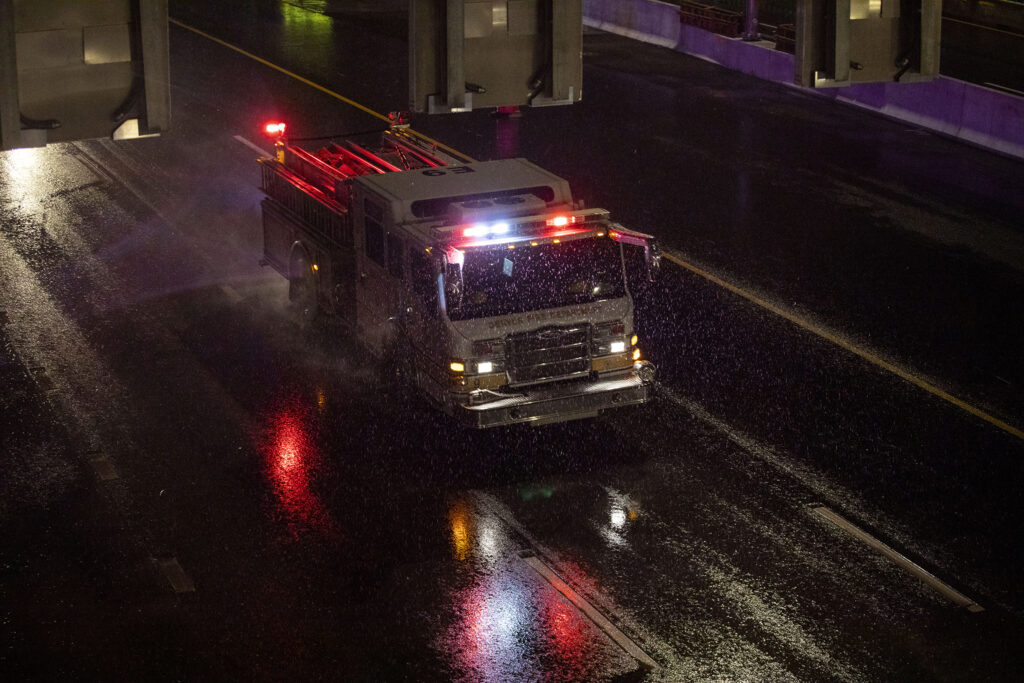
{"x":842,"y":343}
{"x":810,"y":327}
{"x":306,"y":81}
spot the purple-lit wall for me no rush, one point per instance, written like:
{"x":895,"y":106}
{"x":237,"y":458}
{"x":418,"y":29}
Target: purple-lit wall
{"x":972,"y":113}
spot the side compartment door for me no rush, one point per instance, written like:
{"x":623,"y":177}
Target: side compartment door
{"x":378,"y":288}
{"x":424,"y":325}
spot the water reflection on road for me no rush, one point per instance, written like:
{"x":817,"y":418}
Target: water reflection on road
{"x":507,"y":622}
{"x":293,"y":462}
{"x":493,"y":616}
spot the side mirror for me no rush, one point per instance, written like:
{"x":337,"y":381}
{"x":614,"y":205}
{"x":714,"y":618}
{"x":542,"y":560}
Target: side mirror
{"x":453,"y":285}
{"x":652,"y":253}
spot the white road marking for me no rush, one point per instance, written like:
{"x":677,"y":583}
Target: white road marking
{"x":253,"y":146}
{"x":176,"y":576}
{"x":1003,"y":87}
{"x":231,"y":293}
{"x":43,"y":381}
{"x":103,"y":467}
{"x":499,"y":510}
{"x":620,"y":638}
{"x":821,"y":486}
{"x":923,"y":574}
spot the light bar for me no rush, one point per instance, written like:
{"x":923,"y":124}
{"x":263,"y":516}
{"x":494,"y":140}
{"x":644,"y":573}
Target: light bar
{"x":514,"y":230}
{"x":551,"y":237}
{"x":485,"y":229}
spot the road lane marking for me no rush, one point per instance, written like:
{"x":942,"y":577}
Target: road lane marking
{"x":1015,"y":34}
{"x":810,"y":327}
{"x":43,"y":380}
{"x":913,"y":568}
{"x":231,"y":293}
{"x":176,"y":576}
{"x":1003,"y":87}
{"x":103,"y":467}
{"x":495,"y":507}
{"x":848,"y":346}
{"x":259,"y":150}
{"x":316,"y":86}
{"x":612,"y":631}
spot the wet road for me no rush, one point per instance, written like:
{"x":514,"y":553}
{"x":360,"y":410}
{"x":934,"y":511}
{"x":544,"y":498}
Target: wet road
{"x":196,"y":489}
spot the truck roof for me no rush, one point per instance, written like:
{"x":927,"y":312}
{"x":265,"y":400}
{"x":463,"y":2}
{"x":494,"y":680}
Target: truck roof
{"x":430,"y":193}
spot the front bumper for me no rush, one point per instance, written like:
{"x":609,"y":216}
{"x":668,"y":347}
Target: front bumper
{"x":560,"y":402}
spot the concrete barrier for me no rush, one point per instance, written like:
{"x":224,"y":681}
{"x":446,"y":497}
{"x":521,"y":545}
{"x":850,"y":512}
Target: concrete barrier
{"x":646,"y":20}
{"x":972,"y":113}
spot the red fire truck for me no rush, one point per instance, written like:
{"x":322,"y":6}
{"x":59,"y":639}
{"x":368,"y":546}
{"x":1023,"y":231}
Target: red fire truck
{"x":480,"y":285}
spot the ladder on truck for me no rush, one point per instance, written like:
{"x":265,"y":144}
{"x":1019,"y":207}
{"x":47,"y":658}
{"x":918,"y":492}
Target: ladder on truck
{"x":315,"y":186}
{"x":395,"y":154}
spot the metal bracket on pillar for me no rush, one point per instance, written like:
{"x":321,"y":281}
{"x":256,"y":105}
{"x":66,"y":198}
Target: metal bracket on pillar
{"x":155,"y":45}
{"x":564,"y":45}
{"x":455,"y":72}
{"x":840,"y":66}
{"x":10,"y":116}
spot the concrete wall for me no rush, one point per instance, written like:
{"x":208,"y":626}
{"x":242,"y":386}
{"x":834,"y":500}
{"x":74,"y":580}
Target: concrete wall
{"x":972,"y":113}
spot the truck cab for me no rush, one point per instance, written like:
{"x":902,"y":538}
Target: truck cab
{"x":497,"y":296}
{"x":479,"y":284}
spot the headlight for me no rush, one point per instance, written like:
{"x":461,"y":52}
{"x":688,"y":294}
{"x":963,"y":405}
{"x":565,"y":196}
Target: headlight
{"x":488,"y":357}
{"x":608,"y":338}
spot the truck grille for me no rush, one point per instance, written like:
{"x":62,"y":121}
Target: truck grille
{"x":548,"y":354}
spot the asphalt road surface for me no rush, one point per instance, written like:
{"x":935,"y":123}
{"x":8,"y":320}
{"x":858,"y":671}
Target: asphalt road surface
{"x":827,"y":487}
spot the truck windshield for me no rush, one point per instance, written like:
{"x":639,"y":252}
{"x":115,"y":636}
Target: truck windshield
{"x":501,"y":281}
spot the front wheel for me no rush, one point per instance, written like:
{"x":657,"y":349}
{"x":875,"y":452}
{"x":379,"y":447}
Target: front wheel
{"x":396,"y":372}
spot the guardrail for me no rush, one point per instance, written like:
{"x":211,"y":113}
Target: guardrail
{"x":982,"y":116}
{"x":785,"y":38}
{"x":711,"y":18}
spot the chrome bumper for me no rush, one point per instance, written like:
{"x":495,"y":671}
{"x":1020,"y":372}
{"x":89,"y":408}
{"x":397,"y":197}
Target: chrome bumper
{"x":559,"y":402}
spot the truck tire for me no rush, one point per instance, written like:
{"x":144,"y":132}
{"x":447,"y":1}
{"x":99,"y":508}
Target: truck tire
{"x":396,"y":368}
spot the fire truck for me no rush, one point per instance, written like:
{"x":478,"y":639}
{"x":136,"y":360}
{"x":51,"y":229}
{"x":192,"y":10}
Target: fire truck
{"x":481,"y":286}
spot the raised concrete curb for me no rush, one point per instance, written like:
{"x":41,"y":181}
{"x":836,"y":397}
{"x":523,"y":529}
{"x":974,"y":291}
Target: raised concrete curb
{"x":973,"y":113}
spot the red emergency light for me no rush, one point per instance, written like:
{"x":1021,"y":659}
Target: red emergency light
{"x":274,"y":129}
{"x":560,"y":221}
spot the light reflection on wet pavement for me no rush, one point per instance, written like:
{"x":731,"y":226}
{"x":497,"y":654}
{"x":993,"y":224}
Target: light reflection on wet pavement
{"x":348,"y":534}
{"x":293,"y":462}
{"x":497,"y":619}
{"x":510,"y":624}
